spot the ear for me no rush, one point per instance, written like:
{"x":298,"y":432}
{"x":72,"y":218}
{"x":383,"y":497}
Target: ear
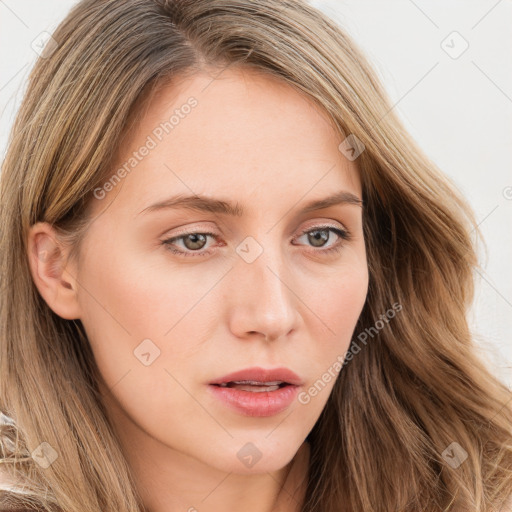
{"x":53,"y":275}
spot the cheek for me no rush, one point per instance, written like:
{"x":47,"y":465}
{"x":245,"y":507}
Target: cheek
{"x":343,"y":301}
{"x":338,"y":296}
{"x":132,"y":309}
{"x":335,"y":307}
{"x":118,"y":298}
{"x":127,"y":293}
{"x":136,"y":318}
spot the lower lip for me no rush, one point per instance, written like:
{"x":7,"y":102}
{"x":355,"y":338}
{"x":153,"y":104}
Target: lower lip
{"x":253,"y":403}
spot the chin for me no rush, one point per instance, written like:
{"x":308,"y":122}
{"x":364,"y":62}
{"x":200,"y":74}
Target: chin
{"x":255,"y":454}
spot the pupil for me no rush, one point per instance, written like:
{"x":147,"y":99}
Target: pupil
{"x":194,"y":238}
{"x":324,"y":236}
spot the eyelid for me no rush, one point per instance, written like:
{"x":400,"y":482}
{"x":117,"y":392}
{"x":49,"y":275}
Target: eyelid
{"x":207,"y":231}
{"x":324,"y":225}
{"x":340,"y":230}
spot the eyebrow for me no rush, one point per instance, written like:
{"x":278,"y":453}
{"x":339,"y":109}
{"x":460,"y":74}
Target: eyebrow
{"x":212,"y":205}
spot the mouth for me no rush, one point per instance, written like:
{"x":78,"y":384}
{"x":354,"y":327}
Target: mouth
{"x":253,"y":386}
{"x":257,"y":391}
{"x":257,"y":377}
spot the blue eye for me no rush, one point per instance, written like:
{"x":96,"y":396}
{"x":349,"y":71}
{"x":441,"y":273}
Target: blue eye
{"x":200,"y":238}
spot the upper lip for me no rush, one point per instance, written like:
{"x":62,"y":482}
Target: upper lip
{"x":258,"y":374}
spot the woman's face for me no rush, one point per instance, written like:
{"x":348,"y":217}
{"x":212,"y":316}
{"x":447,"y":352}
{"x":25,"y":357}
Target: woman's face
{"x":166,"y":318}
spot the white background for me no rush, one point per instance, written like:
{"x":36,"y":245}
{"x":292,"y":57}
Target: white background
{"x":458,"y":109}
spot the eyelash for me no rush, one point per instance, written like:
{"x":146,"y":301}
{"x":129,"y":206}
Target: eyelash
{"x":342,"y":233}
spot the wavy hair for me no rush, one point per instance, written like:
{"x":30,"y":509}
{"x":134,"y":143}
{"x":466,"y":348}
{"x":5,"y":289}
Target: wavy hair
{"x":418,"y":387}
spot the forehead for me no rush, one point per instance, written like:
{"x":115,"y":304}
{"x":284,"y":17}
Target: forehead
{"x":239,"y":133}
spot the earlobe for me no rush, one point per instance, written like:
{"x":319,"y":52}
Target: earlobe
{"x":51,"y":271}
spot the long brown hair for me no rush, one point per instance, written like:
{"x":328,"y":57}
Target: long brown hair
{"x":416,"y":396}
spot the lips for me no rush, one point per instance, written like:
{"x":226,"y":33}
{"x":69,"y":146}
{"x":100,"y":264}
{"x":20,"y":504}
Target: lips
{"x":257,"y":391}
{"x":257,"y":376}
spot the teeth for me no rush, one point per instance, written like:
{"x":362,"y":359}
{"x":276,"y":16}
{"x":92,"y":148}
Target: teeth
{"x":252,"y":383}
{"x":256,"y":389}
{"x":256,"y":383}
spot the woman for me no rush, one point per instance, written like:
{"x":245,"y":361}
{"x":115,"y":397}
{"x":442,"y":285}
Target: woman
{"x":243,"y":285}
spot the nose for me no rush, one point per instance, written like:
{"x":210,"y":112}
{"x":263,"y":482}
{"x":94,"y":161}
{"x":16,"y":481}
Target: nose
{"x":262,"y":301}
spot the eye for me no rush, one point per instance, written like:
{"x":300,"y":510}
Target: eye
{"x":319,"y":235}
{"x":193,"y":242}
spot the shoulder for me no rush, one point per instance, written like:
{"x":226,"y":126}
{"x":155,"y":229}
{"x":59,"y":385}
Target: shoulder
{"x":506,"y":507}
{"x":8,"y":505}
{"x":14,"y":508}
{"x":9,"y":498}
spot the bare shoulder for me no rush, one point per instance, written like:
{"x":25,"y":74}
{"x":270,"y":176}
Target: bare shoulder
{"x":8,"y":505}
{"x":507,"y":506}
{"x":9,"y":500}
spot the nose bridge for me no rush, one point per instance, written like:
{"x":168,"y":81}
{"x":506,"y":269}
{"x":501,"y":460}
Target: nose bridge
{"x":263,"y":301}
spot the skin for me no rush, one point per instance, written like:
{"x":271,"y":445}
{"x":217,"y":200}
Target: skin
{"x":253,"y":140}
